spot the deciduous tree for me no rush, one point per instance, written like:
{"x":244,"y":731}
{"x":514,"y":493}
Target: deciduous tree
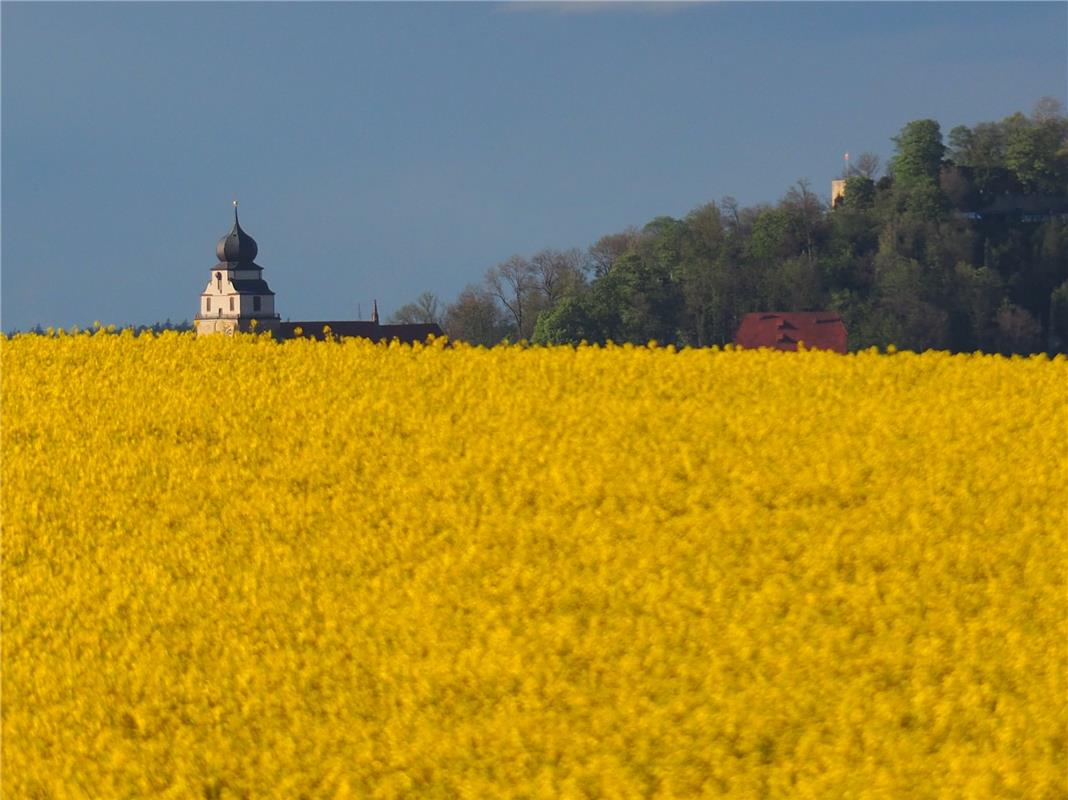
{"x":476,"y":318}
{"x":425,"y":310}
{"x":919,"y":152}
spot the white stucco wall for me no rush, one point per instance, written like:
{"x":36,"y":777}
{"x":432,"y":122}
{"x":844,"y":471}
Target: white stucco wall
{"x":221,"y":318}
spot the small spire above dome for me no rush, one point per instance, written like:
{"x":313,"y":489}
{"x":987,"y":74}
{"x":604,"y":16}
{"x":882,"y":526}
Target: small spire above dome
{"x":236,"y":246}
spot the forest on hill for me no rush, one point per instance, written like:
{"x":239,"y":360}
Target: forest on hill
{"x":960,"y":244}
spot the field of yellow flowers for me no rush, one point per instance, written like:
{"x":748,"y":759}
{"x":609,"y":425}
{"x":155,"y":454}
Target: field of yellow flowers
{"x":233,"y":568}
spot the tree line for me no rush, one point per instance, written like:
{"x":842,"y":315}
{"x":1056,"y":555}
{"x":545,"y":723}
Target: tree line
{"x":960,"y":244}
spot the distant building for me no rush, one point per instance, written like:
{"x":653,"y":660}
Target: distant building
{"x":818,"y":330}
{"x":238,"y":299}
{"x":838,"y":188}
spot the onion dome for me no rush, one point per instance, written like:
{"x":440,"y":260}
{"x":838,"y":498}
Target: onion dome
{"x":236,"y":246}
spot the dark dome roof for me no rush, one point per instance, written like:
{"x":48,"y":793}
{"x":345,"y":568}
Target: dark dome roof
{"x":236,"y":246}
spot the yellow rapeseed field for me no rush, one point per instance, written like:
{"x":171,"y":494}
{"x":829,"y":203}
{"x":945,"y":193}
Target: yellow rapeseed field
{"x":233,"y":568}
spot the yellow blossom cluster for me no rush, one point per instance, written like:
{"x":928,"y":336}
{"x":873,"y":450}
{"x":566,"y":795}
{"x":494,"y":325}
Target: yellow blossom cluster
{"x":234,"y":568}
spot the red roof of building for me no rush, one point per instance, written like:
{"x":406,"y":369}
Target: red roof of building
{"x":783,"y":330}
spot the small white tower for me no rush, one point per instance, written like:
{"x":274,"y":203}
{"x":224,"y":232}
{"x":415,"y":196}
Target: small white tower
{"x":236,"y":297}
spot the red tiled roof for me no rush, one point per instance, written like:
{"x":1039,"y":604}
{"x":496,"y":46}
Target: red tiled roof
{"x":782,"y":330}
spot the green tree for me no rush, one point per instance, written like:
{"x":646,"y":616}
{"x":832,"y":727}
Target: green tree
{"x":976,"y":296}
{"x":961,"y":144}
{"x":919,"y":152}
{"x":570,"y":321}
{"x":901,"y":314}
{"x":794,"y":284}
{"x":593,"y":314}
{"x":646,"y":281}
{"x":859,"y":193}
{"x":1048,"y":270}
{"x":770,"y":237}
{"x":710,"y":279}
{"x":1058,"y":335}
{"x":1035,"y":153}
{"x":924,"y":199}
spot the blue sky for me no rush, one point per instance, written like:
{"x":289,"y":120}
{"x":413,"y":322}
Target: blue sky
{"x":383,"y":149}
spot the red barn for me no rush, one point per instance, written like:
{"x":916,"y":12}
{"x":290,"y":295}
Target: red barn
{"x":782,"y":330}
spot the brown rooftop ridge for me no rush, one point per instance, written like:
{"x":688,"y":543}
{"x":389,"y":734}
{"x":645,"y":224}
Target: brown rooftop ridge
{"x":783,"y":330}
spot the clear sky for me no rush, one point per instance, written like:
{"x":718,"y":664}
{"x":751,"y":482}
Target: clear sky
{"x":382,"y":149}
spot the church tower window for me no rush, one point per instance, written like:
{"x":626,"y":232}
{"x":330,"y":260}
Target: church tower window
{"x":238,"y":277}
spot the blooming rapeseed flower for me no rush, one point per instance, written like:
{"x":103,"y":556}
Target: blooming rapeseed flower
{"x":233,"y":568}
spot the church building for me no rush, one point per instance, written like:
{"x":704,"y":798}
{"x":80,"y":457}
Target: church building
{"x":238,"y":299}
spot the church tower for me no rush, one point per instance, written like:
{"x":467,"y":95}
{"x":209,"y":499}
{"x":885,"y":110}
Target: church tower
{"x":236,"y":297}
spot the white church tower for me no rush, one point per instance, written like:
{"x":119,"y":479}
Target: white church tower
{"x":236,"y":298}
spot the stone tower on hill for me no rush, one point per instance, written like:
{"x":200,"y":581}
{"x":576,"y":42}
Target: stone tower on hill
{"x":237,"y":298}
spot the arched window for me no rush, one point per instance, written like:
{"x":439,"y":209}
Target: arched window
{"x":218,"y":281}
{"x":255,"y":303}
{"x":231,"y":304}
{"x":208,"y":307}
